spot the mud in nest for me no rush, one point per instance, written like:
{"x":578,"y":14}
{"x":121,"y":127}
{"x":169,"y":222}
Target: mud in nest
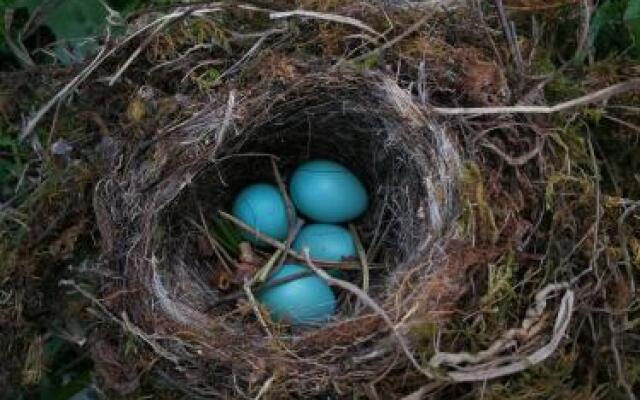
{"x":409,"y":165}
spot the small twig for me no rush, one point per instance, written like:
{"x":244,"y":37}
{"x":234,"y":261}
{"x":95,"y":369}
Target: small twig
{"x":350,"y":265}
{"x":126,"y":325}
{"x":598,"y":194}
{"x":624,"y":243}
{"x":250,"y":53}
{"x":325,"y":16}
{"x":291,"y":211}
{"x":518,"y":160}
{"x":293,"y":232}
{"x":622,"y":379}
{"x":262,"y":274}
{"x":362,"y":256}
{"x":376,"y":245}
{"x":265,"y":387}
{"x":364,"y":297}
{"x":622,"y":122}
{"x":166,"y":22}
{"x":255,"y":307}
{"x":100,"y":57}
{"x":391,"y":42}
{"x":599,"y":95}
{"x":510,"y":35}
{"x":295,"y":223}
{"x":285,"y":279}
{"x":222,"y":129}
{"x":17,"y":49}
{"x":217,"y":248}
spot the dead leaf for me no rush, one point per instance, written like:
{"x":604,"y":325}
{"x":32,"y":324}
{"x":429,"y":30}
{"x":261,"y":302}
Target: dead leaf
{"x":483,"y":82}
{"x":64,"y":245}
{"x":221,"y":278}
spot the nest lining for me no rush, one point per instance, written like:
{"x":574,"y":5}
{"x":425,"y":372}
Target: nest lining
{"x":407,"y":162}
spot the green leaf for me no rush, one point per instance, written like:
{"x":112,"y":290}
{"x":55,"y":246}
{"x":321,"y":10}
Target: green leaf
{"x":631,"y":20}
{"x":227,"y":235}
{"x":63,"y":389}
{"x":76,"y":25}
{"x":615,"y":28}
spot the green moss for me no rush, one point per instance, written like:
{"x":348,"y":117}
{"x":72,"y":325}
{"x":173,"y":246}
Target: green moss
{"x":551,"y":380}
{"x":423,"y":334}
{"x":562,"y":88}
{"x":477,"y":219}
{"x":500,"y":298}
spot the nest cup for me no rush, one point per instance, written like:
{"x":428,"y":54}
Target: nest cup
{"x":409,"y":166}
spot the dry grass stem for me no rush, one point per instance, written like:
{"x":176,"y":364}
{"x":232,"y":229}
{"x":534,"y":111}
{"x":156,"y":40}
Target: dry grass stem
{"x":326,"y":17}
{"x":599,"y":95}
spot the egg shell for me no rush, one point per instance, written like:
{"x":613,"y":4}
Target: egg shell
{"x":326,"y":191}
{"x":303,"y":301}
{"x":262,"y":207}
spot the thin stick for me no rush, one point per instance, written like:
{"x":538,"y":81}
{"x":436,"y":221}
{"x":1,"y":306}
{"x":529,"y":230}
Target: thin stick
{"x":291,"y":211}
{"x":364,"y":297}
{"x":124,"y":322}
{"x":602,"y":94}
{"x":250,"y":53}
{"x":215,"y":246}
{"x":143,"y":46}
{"x":349,"y":265}
{"x":262,"y":273}
{"x":293,"y":232}
{"x":375,"y":247}
{"x":362,"y":255}
{"x":391,"y":42}
{"x":66,"y":89}
{"x":510,"y":35}
{"x":255,"y":307}
{"x":162,"y":23}
{"x":295,"y":223}
{"x":325,"y":16}
{"x":212,"y":240}
{"x":265,"y":387}
{"x":285,"y":279}
{"x":18,"y":51}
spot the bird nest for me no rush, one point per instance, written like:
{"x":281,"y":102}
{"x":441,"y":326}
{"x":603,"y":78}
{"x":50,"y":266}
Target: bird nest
{"x":456,"y":204}
{"x":178,"y":285}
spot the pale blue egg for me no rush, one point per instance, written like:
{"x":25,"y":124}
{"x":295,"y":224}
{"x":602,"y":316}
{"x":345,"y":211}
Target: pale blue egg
{"x":303,"y":301}
{"x":326,"y":191}
{"x":326,"y":242}
{"x":262,"y":207}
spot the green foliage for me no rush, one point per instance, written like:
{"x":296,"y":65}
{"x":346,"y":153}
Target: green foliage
{"x":501,"y":295}
{"x":63,"y":382}
{"x":615,"y":28}
{"x":631,"y":19}
{"x":76,"y":25}
{"x":67,"y":372}
{"x":12,"y":162}
{"x":227,"y":235}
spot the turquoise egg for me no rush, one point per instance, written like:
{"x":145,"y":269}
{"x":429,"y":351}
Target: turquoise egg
{"x":262,"y":207}
{"x":326,"y":242}
{"x":326,"y":191}
{"x":303,"y":301}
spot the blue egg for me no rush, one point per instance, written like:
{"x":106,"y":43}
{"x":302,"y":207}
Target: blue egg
{"x":303,"y":301}
{"x":262,"y":207}
{"x":325,"y":191}
{"x":326,"y":242}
